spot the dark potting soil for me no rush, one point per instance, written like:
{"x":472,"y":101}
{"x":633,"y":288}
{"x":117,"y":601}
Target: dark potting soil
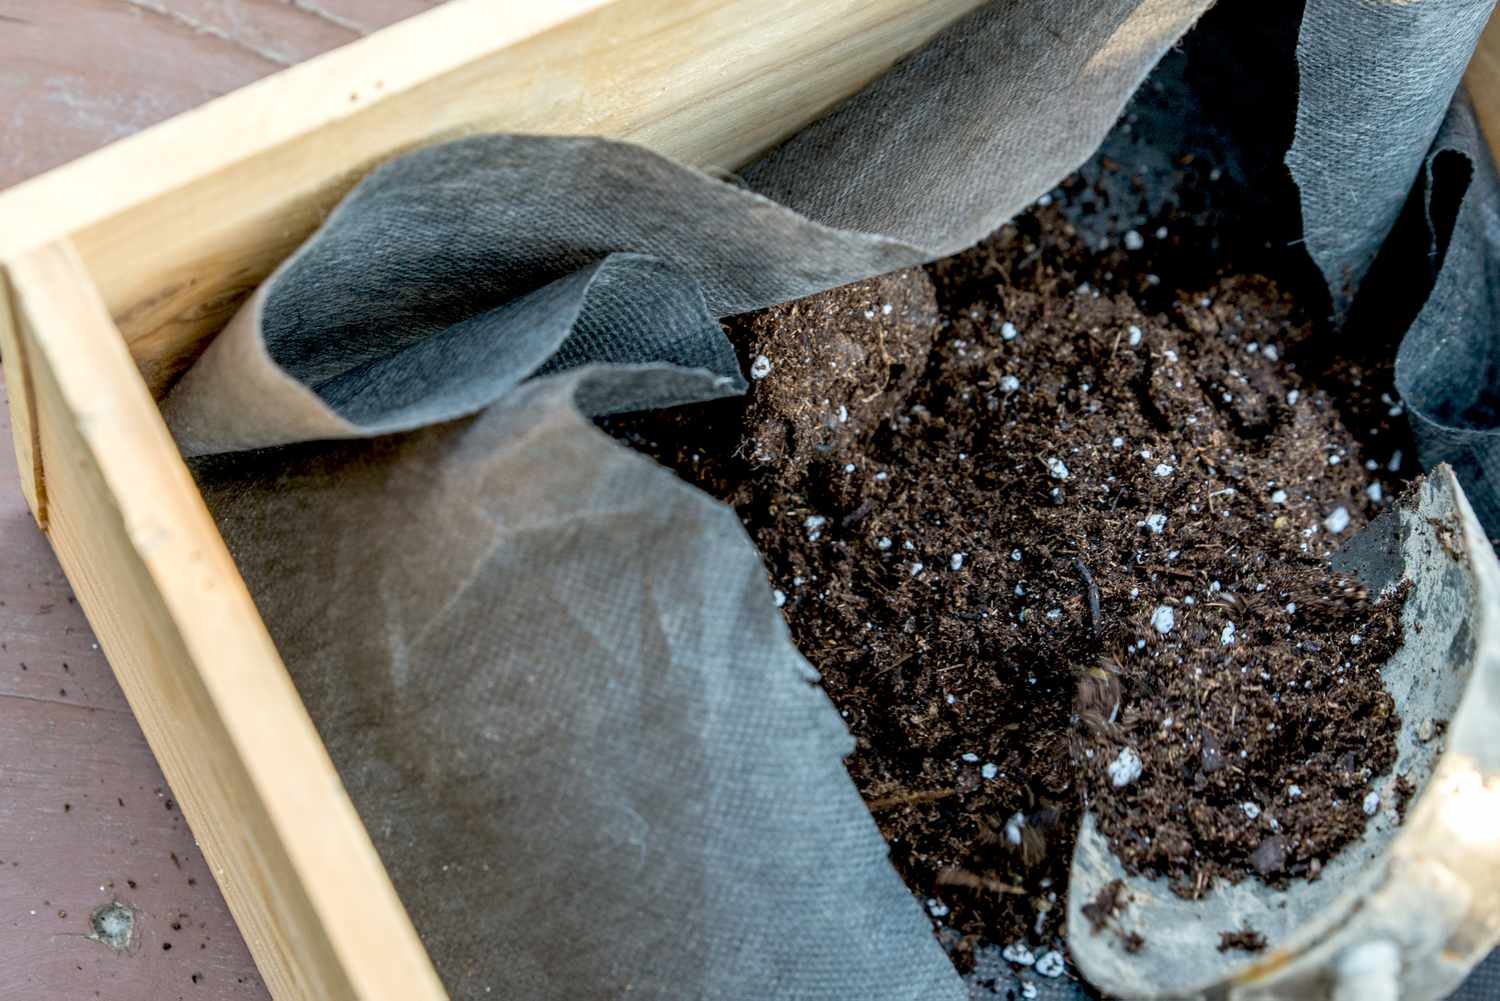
{"x":1055,"y":529}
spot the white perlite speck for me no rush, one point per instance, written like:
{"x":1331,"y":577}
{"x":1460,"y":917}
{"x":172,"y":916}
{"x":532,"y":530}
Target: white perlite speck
{"x":1009,"y":384}
{"x":1278,"y":497}
{"x":885,"y":309}
{"x":1125,"y":769}
{"x":1008,"y":331}
{"x":1292,"y":397}
{"x":956,"y":561}
{"x":916,"y":568}
{"x":1371,"y":803}
{"x":1337,"y":520}
{"x":760,"y":367}
{"x":1226,"y":637}
{"x":1163,"y":619}
{"x":1163,"y":470}
{"x":1135,"y":335}
{"x":1057,"y":469}
{"x":778,"y":597}
{"x":1157,"y":523}
{"x":1017,"y":953}
{"x":1374,"y":492}
{"x":1293,"y":791}
{"x":1015,"y":554}
{"x":1117,"y":443}
{"x":1050,"y":964}
{"x":1251,"y":810}
{"x":1133,"y":240}
{"x":989,"y":770}
{"x":1028,"y":991}
{"x":937,"y":908}
{"x":970,"y":757}
{"x":883,"y":543}
{"x":1013,"y":834}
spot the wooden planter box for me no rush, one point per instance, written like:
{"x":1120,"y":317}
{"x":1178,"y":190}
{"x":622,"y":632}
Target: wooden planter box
{"x":118,"y":268}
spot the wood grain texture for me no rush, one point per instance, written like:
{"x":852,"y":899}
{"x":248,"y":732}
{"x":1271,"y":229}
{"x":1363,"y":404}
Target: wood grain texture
{"x":22,"y":414}
{"x":217,"y":197}
{"x":77,"y":74}
{"x":84,"y":811}
{"x":83,"y":804}
{"x":202,"y":677}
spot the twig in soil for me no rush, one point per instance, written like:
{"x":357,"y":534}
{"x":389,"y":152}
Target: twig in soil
{"x":1093,"y":593}
{"x":891,"y":667}
{"x":954,"y":876}
{"x":908,"y":798}
{"x":857,"y":515}
{"x":1169,"y":571}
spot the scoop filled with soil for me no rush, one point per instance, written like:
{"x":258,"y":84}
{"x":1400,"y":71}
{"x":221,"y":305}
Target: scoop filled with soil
{"x":1056,"y":528}
{"x":1140,"y":937}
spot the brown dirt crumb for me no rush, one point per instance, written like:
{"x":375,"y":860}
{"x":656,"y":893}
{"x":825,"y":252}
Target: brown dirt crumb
{"x":1108,"y":903}
{"x":1405,"y":790}
{"x":1246,"y":939}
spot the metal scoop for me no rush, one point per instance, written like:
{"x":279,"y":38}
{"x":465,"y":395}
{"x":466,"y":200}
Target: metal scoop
{"x":1410,"y":908}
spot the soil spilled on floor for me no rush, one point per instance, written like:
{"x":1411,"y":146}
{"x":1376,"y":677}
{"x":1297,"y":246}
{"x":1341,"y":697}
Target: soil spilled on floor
{"x":1058,"y":539}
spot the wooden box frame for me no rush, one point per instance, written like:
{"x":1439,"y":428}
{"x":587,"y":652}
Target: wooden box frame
{"x":116,"y":269}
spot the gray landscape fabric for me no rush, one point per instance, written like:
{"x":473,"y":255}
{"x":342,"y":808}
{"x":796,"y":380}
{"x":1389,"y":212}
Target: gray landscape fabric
{"x":550,"y":674}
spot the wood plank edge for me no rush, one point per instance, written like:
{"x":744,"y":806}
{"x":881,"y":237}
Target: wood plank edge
{"x":271,"y":112}
{"x":192,"y":584}
{"x":22,"y":400}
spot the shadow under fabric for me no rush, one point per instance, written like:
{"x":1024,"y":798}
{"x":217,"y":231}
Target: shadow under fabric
{"x":550,"y":673}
